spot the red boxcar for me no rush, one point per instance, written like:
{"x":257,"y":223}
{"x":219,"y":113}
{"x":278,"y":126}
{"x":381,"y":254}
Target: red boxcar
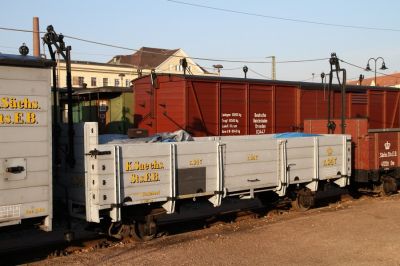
{"x":207,"y":106}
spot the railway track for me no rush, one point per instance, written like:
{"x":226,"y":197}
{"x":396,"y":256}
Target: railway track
{"x":35,"y":246}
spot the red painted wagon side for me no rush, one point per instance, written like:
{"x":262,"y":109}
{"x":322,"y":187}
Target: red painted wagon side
{"x":207,"y":106}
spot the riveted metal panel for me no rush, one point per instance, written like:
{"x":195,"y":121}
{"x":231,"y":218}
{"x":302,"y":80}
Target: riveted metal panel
{"x":170,"y":106}
{"x":331,"y":157}
{"x":233,"y":102}
{"x":300,"y":160}
{"x":203,"y":108}
{"x":250,"y":164}
{"x":376,"y":109}
{"x":145,"y":173}
{"x":285,"y":109}
{"x":199,"y":155}
{"x":392,"y":110}
{"x":260,"y":109}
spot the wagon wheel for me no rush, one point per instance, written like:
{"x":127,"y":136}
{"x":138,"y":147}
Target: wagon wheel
{"x":144,"y":231}
{"x":120,"y":230}
{"x":388,"y":186}
{"x":304,"y":200}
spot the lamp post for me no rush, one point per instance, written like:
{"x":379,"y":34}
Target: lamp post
{"x":218,"y":67}
{"x":323,"y":77}
{"x":383,"y":67}
{"x":245,"y":69}
{"x":273,"y":66}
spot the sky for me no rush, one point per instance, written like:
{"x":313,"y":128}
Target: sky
{"x":249,"y":31}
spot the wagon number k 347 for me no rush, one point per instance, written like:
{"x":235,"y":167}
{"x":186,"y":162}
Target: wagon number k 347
{"x":252,"y":157}
{"x":196,"y":162}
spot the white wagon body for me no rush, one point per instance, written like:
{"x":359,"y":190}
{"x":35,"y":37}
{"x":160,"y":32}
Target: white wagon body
{"x":25,"y":140}
{"x":123,"y":174}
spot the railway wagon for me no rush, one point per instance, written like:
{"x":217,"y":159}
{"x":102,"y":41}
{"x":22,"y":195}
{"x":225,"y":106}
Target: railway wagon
{"x":376,"y":151}
{"x":127,"y":184}
{"x":131,"y":184}
{"x":25,"y":141}
{"x":219,"y":106}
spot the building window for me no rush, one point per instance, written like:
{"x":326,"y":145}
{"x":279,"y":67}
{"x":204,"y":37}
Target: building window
{"x":105,"y":82}
{"x":78,"y":81}
{"x":127,"y":83}
{"x":179,"y":68}
{"x":116,"y":82}
{"x":81,"y":81}
{"x":93,"y":82}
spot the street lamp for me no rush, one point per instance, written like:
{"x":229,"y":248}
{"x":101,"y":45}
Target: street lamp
{"x":218,"y":67}
{"x":383,"y":67}
{"x":245,"y":69}
{"x":323,"y":77}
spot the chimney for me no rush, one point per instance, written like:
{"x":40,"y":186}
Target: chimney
{"x":36,"y":37}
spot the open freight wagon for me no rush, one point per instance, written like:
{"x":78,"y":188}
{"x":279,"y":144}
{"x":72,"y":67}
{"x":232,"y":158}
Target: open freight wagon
{"x":376,"y":151}
{"x":220,"y":106}
{"x":127,"y":183}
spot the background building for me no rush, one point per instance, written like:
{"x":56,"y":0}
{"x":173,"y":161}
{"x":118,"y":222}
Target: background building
{"x":93,"y":75}
{"x":392,"y":80}
{"x":159,"y":60}
{"x":121,"y":69}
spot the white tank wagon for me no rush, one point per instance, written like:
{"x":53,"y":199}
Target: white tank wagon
{"x":25,"y":140}
{"x":132,"y":183}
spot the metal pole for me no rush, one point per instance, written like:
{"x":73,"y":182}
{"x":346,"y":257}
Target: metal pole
{"x":71,"y":158}
{"x":343,"y":91}
{"x":330,"y":130}
{"x":55,"y":127}
{"x":273,"y":68}
{"x":335,"y":67}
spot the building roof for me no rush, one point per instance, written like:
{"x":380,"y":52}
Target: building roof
{"x":392,"y":80}
{"x":144,"y":58}
{"x":92,"y":63}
